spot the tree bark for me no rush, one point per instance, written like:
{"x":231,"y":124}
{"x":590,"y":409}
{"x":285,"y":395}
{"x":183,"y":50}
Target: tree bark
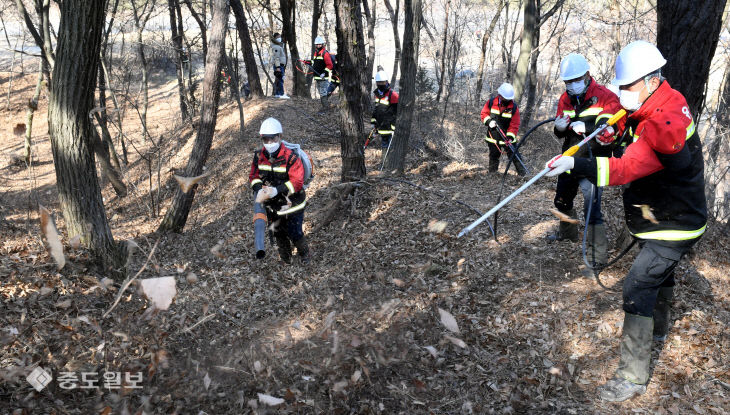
{"x":443,"y":50}
{"x":252,"y":72}
{"x":529,"y":27}
{"x":316,"y":14}
{"x":200,"y":20}
{"x":370,"y":16}
{"x":289,"y":34}
{"x":407,"y":102}
{"x":32,"y":107}
{"x":72,"y":135}
{"x":350,"y":37}
{"x":179,"y":58}
{"x":485,"y":43}
{"x":177,"y":214}
{"x":396,"y":37}
{"x":683,"y":29}
{"x":140,"y":21}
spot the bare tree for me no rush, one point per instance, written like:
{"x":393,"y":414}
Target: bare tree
{"x":485,"y":41}
{"x":396,"y":37}
{"x":179,"y":57}
{"x":407,"y":101}
{"x":200,"y":20}
{"x":178,"y":212}
{"x":249,"y":59}
{"x":683,"y":28}
{"x":370,"y":17}
{"x":444,"y":38}
{"x":72,"y":136}
{"x":348,"y":25}
{"x":142,"y":14}
{"x":289,"y":34}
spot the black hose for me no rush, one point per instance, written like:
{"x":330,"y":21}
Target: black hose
{"x":597,"y":268}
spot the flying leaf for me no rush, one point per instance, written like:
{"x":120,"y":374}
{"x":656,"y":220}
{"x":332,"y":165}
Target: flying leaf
{"x":456,"y":341}
{"x":257,"y":366}
{"x":75,"y":241}
{"x":563,"y":217}
{"x":64,"y":304}
{"x":187,"y":183}
{"x":51,"y":234}
{"x":160,"y":291}
{"x":436,"y":226}
{"x":647,"y":214}
{"x":270,"y":400}
{"x":433,"y":351}
{"x":339,"y":386}
{"x":206,"y":381}
{"x":191,"y":278}
{"x":356,"y":376}
{"x":264,"y":194}
{"x":448,"y":321}
{"x":19,"y":129}
{"x":216,"y":249}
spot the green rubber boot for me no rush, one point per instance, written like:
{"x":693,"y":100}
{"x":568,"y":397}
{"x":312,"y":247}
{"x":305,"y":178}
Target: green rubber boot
{"x":597,"y":244}
{"x":566,"y":230}
{"x":633,"y":368}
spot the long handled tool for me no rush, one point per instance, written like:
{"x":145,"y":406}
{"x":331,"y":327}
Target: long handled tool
{"x":367,"y":141}
{"x":512,"y":148}
{"x":386,"y":152}
{"x":569,"y":152}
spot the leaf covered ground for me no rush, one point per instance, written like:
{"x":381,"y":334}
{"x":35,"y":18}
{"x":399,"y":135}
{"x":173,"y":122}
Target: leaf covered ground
{"x":393,"y":315}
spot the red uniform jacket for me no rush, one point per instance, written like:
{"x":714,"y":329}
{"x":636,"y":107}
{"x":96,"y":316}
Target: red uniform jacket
{"x":507,"y":116}
{"x":605,"y":106}
{"x":665,"y":169}
{"x":283,"y":170}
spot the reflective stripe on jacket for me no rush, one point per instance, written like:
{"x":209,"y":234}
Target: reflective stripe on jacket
{"x":285,"y":171}
{"x":507,"y":117}
{"x":385,"y":111}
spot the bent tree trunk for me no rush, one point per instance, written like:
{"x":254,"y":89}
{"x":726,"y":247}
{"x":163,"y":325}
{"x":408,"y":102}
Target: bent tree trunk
{"x":249,"y":59}
{"x":289,"y":34}
{"x":72,"y":135}
{"x":683,"y":28}
{"x":407,"y":103}
{"x":177,"y":214}
{"x":350,"y":55}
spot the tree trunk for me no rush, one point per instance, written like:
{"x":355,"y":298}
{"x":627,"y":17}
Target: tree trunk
{"x":485,"y":42}
{"x":407,"y":102}
{"x":252,"y":72}
{"x":370,"y":16}
{"x":316,"y":14}
{"x":289,"y":34}
{"x":443,"y":51}
{"x":531,"y":79}
{"x":103,"y":117}
{"x":177,"y":214}
{"x":32,"y":107}
{"x":396,"y":37}
{"x":349,"y":55}
{"x":140,"y":20}
{"x":526,"y":44}
{"x":200,"y":20}
{"x":683,"y":29}
{"x":177,"y":44}
{"x":72,"y":136}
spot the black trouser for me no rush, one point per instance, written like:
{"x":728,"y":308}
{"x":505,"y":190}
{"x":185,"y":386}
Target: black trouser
{"x":289,"y":226}
{"x":652,"y":269}
{"x":566,"y":191}
{"x":494,"y":153}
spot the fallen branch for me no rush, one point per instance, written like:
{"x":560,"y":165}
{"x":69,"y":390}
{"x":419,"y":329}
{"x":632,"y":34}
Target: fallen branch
{"x":201,"y":321}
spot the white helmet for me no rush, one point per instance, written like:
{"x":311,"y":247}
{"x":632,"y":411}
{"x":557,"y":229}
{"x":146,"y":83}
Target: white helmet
{"x":506,"y":90}
{"x":270,"y":126}
{"x":637,"y":59}
{"x":573,"y":66}
{"x":380,"y":76}
{"x":319,"y":40}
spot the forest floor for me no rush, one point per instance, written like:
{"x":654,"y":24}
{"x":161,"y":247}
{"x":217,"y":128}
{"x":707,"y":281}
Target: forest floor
{"x":359,"y":329}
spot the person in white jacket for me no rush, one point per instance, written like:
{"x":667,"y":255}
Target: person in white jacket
{"x":278,"y":59}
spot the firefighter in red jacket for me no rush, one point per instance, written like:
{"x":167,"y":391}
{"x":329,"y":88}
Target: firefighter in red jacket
{"x":501,"y":115}
{"x":583,"y":106}
{"x":279,"y":173}
{"x":323,"y":67}
{"x":664,"y":168}
{"x":385,"y":109}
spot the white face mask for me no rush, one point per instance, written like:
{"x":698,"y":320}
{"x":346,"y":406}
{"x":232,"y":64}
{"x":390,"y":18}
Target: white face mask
{"x":630,"y":99}
{"x":278,"y":39}
{"x":271,"y":147}
{"x":575,"y":88}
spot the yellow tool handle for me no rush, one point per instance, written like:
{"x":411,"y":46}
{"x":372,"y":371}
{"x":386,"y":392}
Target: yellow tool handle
{"x":611,"y":121}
